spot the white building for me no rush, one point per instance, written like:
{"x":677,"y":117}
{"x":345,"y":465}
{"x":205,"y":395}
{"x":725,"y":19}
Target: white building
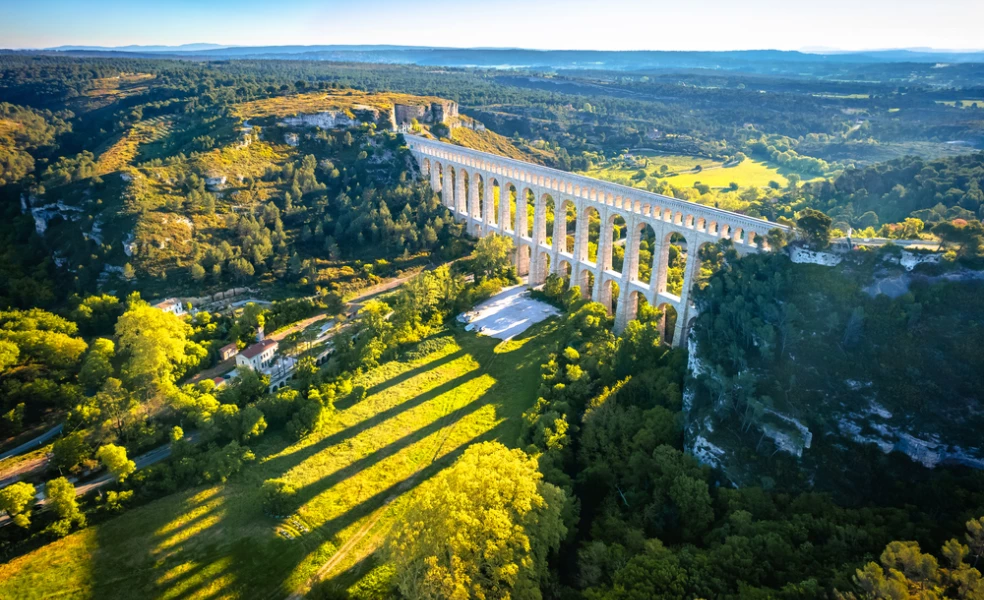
{"x":171,"y":305}
{"x":259,"y":356}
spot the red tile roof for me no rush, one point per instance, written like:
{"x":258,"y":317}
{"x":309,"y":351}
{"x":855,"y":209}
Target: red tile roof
{"x":258,"y":348}
{"x":231,"y":346}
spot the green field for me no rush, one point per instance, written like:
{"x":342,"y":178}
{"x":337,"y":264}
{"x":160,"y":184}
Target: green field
{"x":748,"y":173}
{"x":354,"y":480}
{"x":963,"y":103}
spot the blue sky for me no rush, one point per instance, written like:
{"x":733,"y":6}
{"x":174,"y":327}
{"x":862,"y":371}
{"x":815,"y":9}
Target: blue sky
{"x":567,"y":24}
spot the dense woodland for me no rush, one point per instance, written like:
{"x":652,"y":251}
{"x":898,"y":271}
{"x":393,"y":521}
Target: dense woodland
{"x":601,"y":500}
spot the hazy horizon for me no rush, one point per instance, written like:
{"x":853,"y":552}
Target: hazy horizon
{"x":702,"y":25}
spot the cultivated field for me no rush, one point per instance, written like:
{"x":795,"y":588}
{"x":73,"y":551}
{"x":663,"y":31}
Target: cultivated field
{"x":354,"y":480}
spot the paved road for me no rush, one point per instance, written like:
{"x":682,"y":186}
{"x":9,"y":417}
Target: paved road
{"x":35,"y":443}
{"x":878,"y":242}
{"x":144,"y":460}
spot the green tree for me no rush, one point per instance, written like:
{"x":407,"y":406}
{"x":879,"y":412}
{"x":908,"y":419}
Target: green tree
{"x":9,"y":353}
{"x":815,"y":226}
{"x":197,"y":273}
{"x":114,"y":458}
{"x":241,"y":269}
{"x":16,"y":500}
{"x":68,"y":452}
{"x":492,"y":255}
{"x":113,"y":408}
{"x":482,"y":528}
{"x":155,"y":346}
{"x":278,"y":496}
{"x":62,"y":499}
{"x":97,"y":366}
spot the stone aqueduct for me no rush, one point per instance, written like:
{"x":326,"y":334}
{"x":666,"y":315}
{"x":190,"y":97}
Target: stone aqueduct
{"x":459,"y":173}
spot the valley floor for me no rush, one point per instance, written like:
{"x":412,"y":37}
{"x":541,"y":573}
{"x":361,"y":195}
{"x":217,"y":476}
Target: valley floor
{"x":354,"y":479}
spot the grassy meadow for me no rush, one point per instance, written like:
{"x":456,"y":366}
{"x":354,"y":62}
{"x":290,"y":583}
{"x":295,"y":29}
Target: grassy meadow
{"x":354,"y":479}
{"x":962,"y":103}
{"x":679,"y":171}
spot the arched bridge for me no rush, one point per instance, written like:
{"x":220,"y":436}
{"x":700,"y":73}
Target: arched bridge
{"x":471,"y":184}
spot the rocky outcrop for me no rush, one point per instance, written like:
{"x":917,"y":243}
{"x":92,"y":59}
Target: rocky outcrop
{"x":433,"y":113}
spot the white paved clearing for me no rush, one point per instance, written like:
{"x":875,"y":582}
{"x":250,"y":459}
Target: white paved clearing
{"x":507,"y":314}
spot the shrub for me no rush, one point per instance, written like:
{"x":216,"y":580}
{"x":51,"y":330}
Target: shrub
{"x":278,"y":497}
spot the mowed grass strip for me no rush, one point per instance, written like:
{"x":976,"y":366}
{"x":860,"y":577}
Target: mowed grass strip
{"x":215,"y":541}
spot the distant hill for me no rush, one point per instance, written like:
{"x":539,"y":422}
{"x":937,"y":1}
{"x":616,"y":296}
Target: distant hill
{"x":764,"y":61}
{"x":138,"y":48}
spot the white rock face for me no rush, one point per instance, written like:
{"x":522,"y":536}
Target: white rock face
{"x":129,"y":244}
{"x":802,"y":255}
{"x":793,"y":444}
{"x":324,"y":120}
{"x":909,"y":260}
{"x":43,"y":214}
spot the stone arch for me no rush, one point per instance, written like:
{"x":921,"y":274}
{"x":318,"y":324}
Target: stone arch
{"x":523,"y":260}
{"x":527,"y":215}
{"x":724,"y":231}
{"x":738,"y":235}
{"x":545,"y":211}
{"x":637,"y":307}
{"x":667,"y":215}
{"x":672,"y":266}
{"x":608,"y":294}
{"x":668,"y":319}
{"x":615,"y":235}
{"x":438,"y":177}
{"x":700,"y":277}
{"x":425,"y":166}
{"x":640,"y":251}
{"x":450,"y":197}
{"x":589,"y":224}
{"x":566,"y":227}
{"x":565,"y":271}
{"x":586,"y":281}
{"x":463,"y":190}
{"x":688,"y":221}
{"x":510,"y":223}
{"x":542,"y":266}
{"x":490,"y":201}
{"x":701,"y":224}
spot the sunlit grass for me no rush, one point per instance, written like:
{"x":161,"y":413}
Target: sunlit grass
{"x":316,"y":102}
{"x":963,"y":103}
{"x":354,"y":480}
{"x":748,"y":173}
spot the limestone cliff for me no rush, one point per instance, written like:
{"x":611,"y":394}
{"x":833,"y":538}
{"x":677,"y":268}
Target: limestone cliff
{"x":837,"y":369}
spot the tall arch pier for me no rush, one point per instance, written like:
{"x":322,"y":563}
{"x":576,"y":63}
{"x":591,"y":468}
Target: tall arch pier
{"x":571,"y":225}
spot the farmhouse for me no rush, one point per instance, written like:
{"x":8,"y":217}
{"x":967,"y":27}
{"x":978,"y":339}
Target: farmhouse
{"x":259,"y":356}
{"x":171,"y":305}
{"x":228,"y":351}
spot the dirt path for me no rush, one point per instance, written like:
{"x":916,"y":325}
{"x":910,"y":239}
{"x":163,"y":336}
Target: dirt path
{"x":343,"y":552}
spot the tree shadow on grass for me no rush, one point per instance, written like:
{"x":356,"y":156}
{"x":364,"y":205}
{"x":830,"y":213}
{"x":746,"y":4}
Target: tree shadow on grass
{"x":309,"y":492}
{"x":330,"y":529}
{"x":287,"y":461}
{"x":404,"y":376}
{"x":233,"y":550}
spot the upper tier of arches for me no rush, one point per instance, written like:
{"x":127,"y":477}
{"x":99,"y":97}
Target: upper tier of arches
{"x":741,"y":229}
